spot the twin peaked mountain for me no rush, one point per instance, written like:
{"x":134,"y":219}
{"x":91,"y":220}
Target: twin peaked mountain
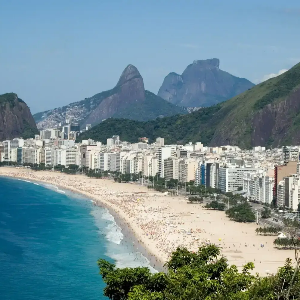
{"x":128,"y":99}
{"x":201,"y":84}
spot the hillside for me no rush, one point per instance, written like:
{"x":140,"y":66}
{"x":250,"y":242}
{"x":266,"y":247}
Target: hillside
{"x":266,"y":115}
{"x":128,"y":99}
{"x":15,"y":118}
{"x":202,"y":84}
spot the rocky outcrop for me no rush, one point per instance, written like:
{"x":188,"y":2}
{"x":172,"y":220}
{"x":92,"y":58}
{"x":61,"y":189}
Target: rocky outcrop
{"x":202,"y":84}
{"x":129,"y":91}
{"x":15,"y":118}
{"x":278,"y":123}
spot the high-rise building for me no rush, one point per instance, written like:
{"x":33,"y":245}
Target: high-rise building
{"x":171,"y":168}
{"x":164,"y":153}
{"x":279,"y":173}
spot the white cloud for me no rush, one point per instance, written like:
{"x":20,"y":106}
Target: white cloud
{"x":272,"y":75}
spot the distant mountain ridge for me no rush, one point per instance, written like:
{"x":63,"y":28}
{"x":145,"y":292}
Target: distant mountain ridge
{"x":128,"y":99}
{"x":15,"y":118}
{"x":266,"y":115}
{"x":202,"y":84}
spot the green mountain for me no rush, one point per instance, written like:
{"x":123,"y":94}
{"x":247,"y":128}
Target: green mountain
{"x":150,"y":109}
{"x":15,"y":118}
{"x":128,"y":99}
{"x":268,"y":115}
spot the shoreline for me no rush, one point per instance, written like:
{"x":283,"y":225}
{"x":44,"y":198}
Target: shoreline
{"x":126,"y":229}
{"x":158,"y":224}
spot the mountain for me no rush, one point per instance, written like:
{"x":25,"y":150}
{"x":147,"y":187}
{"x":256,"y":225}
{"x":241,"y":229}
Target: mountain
{"x":15,"y":118}
{"x":266,"y":115}
{"x":128,"y":99}
{"x":202,"y":84}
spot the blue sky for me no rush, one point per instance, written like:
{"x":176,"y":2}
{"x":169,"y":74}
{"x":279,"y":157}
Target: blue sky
{"x":56,"y":52}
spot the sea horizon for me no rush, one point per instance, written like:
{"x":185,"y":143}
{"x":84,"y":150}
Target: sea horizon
{"x":50,"y":240}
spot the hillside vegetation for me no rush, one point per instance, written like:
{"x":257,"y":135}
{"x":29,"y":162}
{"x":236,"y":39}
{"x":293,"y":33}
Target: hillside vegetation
{"x":267,"y":114}
{"x":151,"y":108}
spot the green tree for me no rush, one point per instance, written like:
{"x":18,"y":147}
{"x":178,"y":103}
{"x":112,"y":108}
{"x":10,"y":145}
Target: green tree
{"x":216,"y":205}
{"x":201,"y":275}
{"x":266,"y":213}
{"x":241,"y":213}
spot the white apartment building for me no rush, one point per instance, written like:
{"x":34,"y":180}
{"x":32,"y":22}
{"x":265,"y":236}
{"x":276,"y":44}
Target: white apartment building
{"x":71,"y":156}
{"x":48,"y":156}
{"x":294,"y":195}
{"x":64,"y":156}
{"x":231,"y":178}
{"x":31,"y":155}
{"x":171,"y":168}
{"x":104,"y":161}
{"x":114,"y":160}
{"x":10,"y":149}
{"x":213,"y":173}
{"x":164,"y":153}
{"x":150,"y":165}
{"x":258,"y":187}
{"x":281,"y":194}
{"x":187,"y":170}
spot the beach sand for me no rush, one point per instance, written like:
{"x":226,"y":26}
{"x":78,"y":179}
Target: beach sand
{"x":162,"y":223}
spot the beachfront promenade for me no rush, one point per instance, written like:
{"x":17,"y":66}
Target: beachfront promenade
{"x":162,"y":223}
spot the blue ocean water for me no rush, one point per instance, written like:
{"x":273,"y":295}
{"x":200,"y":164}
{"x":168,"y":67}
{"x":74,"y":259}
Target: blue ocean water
{"x":50,"y":241}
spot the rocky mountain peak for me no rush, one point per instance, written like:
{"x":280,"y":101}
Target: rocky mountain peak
{"x":202,"y":84}
{"x":207,"y":63}
{"x":129,"y":73}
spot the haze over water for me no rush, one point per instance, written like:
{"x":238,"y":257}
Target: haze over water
{"x":50,"y":241}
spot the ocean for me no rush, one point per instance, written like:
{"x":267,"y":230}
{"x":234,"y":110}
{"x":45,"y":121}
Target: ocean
{"x":50,"y":241}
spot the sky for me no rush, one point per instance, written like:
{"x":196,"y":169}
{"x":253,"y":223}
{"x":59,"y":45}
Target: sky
{"x":56,"y":52}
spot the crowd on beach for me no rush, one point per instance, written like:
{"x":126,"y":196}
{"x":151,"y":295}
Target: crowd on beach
{"x":163,"y":223}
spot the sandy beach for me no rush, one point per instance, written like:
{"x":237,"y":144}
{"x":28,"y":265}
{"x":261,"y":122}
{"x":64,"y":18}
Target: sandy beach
{"x":162,"y":223}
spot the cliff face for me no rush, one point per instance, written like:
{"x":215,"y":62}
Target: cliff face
{"x":202,"y":84}
{"x":15,"y":118}
{"x":128,"y":99}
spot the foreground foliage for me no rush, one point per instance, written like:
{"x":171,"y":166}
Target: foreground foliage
{"x":201,"y":275}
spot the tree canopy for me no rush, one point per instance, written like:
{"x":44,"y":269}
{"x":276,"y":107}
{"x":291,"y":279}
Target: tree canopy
{"x":204,"y":274}
{"x":241,"y":213}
